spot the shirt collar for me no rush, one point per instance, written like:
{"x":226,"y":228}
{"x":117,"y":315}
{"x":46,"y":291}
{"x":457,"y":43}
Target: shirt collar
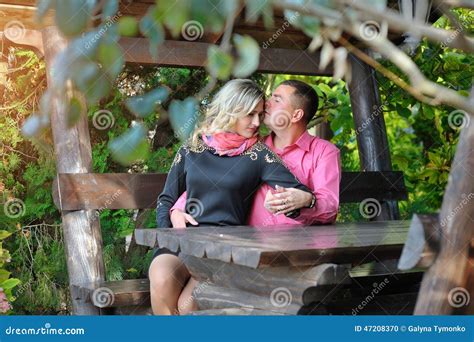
{"x":303,"y":142}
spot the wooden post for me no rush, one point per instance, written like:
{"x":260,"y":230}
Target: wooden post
{"x":449,"y":280}
{"x":374,"y":152}
{"x":82,"y":235}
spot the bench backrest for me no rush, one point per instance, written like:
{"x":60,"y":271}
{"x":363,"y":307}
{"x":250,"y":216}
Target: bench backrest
{"x":140,"y":191}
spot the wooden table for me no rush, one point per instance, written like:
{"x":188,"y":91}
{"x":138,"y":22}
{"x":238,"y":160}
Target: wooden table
{"x":278,"y":269}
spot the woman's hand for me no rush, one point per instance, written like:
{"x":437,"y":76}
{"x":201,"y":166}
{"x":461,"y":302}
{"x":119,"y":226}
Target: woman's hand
{"x":285,"y":200}
{"x":179,"y":219}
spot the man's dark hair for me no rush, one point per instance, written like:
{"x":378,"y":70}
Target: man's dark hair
{"x":305,"y":97}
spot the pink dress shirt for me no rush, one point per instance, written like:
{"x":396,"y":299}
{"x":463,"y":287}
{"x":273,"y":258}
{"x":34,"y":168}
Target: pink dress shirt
{"x":316,"y":163}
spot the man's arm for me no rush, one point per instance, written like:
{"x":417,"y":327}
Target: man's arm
{"x":325,"y":178}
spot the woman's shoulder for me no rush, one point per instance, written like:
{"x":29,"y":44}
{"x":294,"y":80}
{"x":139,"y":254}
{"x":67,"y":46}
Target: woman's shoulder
{"x":260,"y":150}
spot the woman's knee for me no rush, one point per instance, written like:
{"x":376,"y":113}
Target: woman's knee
{"x":167,"y":270}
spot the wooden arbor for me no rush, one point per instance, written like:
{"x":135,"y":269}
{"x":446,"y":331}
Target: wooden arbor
{"x":286,"y":55}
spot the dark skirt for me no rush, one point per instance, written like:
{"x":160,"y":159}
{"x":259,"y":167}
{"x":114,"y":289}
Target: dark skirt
{"x":159,"y":251}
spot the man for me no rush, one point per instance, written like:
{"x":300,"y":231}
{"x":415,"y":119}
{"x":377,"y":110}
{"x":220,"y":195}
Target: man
{"x":314,"y":161}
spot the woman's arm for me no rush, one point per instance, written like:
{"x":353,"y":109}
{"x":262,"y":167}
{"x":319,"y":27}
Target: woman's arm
{"x":175,"y":185}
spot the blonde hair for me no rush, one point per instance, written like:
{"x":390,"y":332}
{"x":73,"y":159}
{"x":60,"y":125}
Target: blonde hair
{"x":236,"y":99}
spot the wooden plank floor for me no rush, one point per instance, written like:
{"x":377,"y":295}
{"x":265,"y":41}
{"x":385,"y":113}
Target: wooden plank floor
{"x":285,"y":245}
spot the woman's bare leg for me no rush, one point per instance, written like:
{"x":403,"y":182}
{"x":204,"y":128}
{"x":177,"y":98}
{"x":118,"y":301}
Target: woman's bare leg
{"x":168,"y":275}
{"x":186,"y":301}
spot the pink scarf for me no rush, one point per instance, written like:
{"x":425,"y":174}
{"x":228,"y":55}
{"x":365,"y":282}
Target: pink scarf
{"x":228,"y":144}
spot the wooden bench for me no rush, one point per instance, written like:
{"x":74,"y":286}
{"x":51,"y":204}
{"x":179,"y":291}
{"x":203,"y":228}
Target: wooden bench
{"x":73,"y":192}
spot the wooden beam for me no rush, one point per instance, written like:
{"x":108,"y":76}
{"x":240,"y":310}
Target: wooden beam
{"x":82,"y":235}
{"x":140,"y":191}
{"x":448,"y":277}
{"x":374,"y":152}
{"x":194,"y":55}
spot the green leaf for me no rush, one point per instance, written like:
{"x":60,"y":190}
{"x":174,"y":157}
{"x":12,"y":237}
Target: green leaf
{"x":4,"y":275}
{"x":249,"y":55}
{"x":144,"y":105}
{"x":255,"y":8}
{"x":75,"y":109}
{"x":83,"y":72}
{"x":9,"y":283}
{"x":72,"y":17}
{"x":4,"y":234}
{"x":130,"y":146}
{"x":309,"y":25}
{"x":219,"y":63}
{"x":110,"y":56}
{"x":152,"y":29}
{"x":183,"y":117}
{"x":128,"y":26}
{"x":173,"y":14}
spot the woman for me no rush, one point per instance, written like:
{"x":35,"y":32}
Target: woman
{"x":220,"y":168}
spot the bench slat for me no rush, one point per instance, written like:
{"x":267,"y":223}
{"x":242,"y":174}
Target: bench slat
{"x":140,"y":191}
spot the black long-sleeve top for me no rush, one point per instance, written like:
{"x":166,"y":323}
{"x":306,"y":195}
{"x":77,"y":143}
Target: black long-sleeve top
{"x":220,"y":189}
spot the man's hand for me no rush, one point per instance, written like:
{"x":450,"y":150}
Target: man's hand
{"x":285,"y":200}
{"x":179,"y":219}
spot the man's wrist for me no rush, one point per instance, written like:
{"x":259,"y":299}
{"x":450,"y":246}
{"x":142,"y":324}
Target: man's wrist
{"x":311,"y":201}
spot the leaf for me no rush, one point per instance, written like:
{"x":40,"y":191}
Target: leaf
{"x":340,"y":57}
{"x":130,"y":146}
{"x":152,"y":29}
{"x":4,"y":234}
{"x":144,"y":105}
{"x":219,"y":63}
{"x":255,"y":8}
{"x":183,"y":117}
{"x":128,"y":26}
{"x":109,"y":9}
{"x":173,"y":16}
{"x":32,"y":126}
{"x":309,"y":25}
{"x":72,"y":17}
{"x":74,"y":111}
{"x":9,"y":283}
{"x":378,"y":5}
{"x":110,"y":56}
{"x":42,"y":7}
{"x":4,"y":274}
{"x":249,"y":56}
{"x":327,"y":53}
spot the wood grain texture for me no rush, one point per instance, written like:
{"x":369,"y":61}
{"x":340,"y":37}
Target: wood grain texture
{"x":140,"y":191}
{"x":446,"y":278}
{"x":82,"y":235}
{"x":274,"y":246}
